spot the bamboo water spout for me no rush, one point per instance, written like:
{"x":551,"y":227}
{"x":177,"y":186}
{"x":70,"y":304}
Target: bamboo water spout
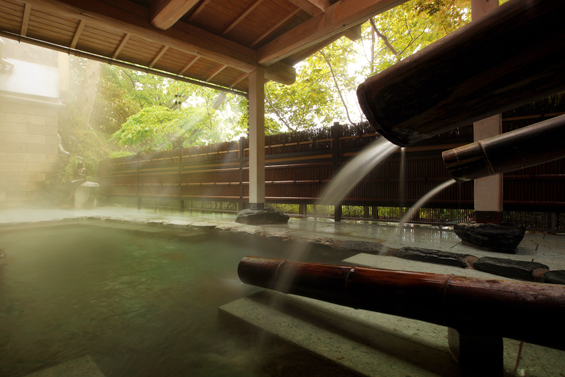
{"x":487,"y":67}
{"x":529,"y":146}
{"x":523,"y":311}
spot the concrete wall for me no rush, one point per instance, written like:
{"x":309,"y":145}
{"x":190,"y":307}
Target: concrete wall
{"x":29,"y":106}
{"x":28,"y":148}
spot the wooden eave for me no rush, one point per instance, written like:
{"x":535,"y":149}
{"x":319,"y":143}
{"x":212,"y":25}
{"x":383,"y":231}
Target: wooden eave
{"x":217,"y":42}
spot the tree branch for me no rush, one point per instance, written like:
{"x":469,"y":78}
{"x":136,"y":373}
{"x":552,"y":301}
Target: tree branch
{"x":411,"y":42}
{"x":336,"y":85}
{"x":385,"y":39}
{"x":277,"y":113}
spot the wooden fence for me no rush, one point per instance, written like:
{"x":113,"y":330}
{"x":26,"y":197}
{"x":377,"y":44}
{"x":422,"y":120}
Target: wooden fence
{"x":299,"y":165}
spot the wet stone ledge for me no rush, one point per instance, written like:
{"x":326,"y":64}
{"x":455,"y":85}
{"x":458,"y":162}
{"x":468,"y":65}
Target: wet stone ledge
{"x":265,"y":216}
{"x":434,"y":256}
{"x":503,"y":238}
{"x":514,"y":269}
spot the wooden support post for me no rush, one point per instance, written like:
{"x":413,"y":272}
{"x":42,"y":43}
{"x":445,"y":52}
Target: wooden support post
{"x":338,"y":211}
{"x":181,"y":209}
{"x":257,"y":139}
{"x":366,"y":213}
{"x":335,"y":157}
{"x":554,"y":217}
{"x":137,"y":192}
{"x":315,"y":210}
{"x":478,"y":355}
{"x":302,"y":209}
{"x":241,"y":144}
{"x":488,"y":191}
{"x":375,"y":212}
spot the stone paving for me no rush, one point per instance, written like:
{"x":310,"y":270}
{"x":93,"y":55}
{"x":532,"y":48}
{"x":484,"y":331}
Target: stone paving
{"x":539,"y":247}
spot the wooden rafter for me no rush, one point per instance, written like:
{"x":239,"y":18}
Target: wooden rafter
{"x":275,"y":27}
{"x":78,"y":32}
{"x":238,"y":80}
{"x":123,"y":42}
{"x":130,"y":18}
{"x":158,"y":56}
{"x":242,"y":16}
{"x":165,"y":13}
{"x":216,"y":71}
{"x":198,"y":10}
{"x":313,"y":7}
{"x":339,"y":17}
{"x":190,"y":63}
{"x":25,"y":19}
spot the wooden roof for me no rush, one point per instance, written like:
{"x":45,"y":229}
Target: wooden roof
{"x":218,"y":42}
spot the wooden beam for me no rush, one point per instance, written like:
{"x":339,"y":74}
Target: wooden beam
{"x":158,"y":56}
{"x":216,"y":71}
{"x":123,"y":42}
{"x":312,"y":7}
{"x":190,"y":63}
{"x":242,"y":16}
{"x":25,"y":19}
{"x":198,"y":10}
{"x":275,"y":27}
{"x":354,"y":33}
{"x":304,"y":54}
{"x":130,"y":18}
{"x":339,"y":17}
{"x":78,"y":32}
{"x":280,"y":72}
{"x":307,"y":52}
{"x":322,"y":4}
{"x":165,"y":13}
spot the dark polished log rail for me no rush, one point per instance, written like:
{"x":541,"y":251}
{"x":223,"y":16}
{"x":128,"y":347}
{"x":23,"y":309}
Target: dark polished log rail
{"x":523,"y":311}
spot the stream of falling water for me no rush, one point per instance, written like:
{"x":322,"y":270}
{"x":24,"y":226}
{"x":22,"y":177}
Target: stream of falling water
{"x":346,"y":179}
{"x":423,"y":200}
{"x":354,"y":171}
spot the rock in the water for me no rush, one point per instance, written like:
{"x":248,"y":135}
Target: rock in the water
{"x":555,"y":277}
{"x":510,"y":268}
{"x":265,"y":216}
{"x":433,"y":256}
{"x":504,"y":238}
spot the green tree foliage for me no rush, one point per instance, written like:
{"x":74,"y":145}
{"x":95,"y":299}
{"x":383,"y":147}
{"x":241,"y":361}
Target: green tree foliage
{"x":305,"y":104}
{"x":408,"y":28}
{"x":326,"y":82}
{"x":161,"y":128}
{"x":145,"y":112}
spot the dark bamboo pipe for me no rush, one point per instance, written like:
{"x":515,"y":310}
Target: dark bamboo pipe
{"x":524,"y":311}
{"x":529,"y":146}
{"x":512,"y":56}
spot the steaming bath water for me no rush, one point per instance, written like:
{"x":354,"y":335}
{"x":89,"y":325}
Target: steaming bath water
{"x":139,"y":302}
